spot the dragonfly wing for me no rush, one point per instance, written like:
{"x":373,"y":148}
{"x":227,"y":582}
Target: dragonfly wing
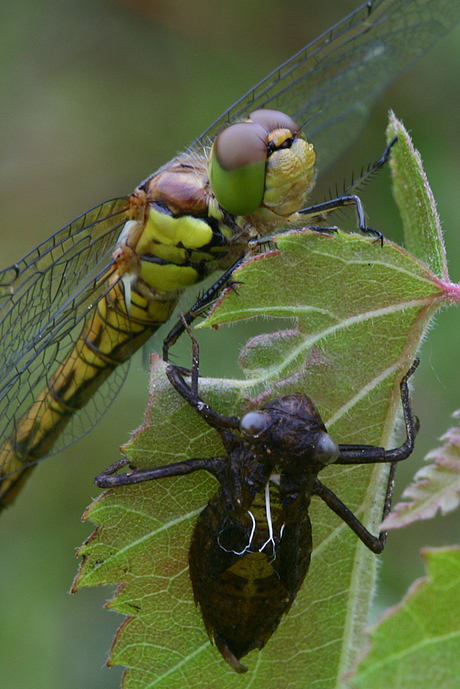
{"x":330,"y":85}
{"x":48,"y":289}
{"x":45,"y":300}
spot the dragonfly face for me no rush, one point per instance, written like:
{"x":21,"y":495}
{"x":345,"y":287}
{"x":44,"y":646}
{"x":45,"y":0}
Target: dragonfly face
{"x":94,"y":292}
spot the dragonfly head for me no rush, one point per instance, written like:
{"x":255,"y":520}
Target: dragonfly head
{"x":262,"y":165}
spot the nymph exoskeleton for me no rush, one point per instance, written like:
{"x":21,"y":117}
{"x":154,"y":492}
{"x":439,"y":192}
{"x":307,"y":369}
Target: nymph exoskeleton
{"x":251,"y":546}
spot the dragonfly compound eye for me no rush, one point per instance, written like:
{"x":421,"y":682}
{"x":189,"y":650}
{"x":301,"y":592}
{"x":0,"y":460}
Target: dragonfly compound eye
{"x":254,"y":423}
{"x":326,"y":449}
{"x":236,"y":167}
{"x":274,"y":119}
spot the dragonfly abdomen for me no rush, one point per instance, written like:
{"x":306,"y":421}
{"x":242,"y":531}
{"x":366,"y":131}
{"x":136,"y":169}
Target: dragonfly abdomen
{"x":109,"y":339}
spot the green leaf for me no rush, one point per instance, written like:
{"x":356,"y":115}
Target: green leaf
{"x":417,"y":643}
{"x":358,"y":313}
{"x":422,"y":226}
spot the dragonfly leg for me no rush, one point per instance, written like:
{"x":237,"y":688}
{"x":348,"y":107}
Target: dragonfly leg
{"x":200,"y":305}
{"x":372,"y":169}
{"x":347,"y":200}
{"x":349,"y":197}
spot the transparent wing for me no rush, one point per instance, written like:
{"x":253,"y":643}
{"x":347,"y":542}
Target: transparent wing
{"x":44,"y":301}
{"x":331,"y":84}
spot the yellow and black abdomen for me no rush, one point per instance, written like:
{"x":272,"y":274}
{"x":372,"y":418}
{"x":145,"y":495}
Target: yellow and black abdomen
{"x":108,"y":339}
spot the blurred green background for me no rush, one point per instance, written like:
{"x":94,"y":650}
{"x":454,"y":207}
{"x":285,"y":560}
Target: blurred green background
{"x":94,"y":96}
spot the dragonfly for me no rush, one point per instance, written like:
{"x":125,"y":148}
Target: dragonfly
{"x":251,"y":545}
{"x":75,"y":309}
